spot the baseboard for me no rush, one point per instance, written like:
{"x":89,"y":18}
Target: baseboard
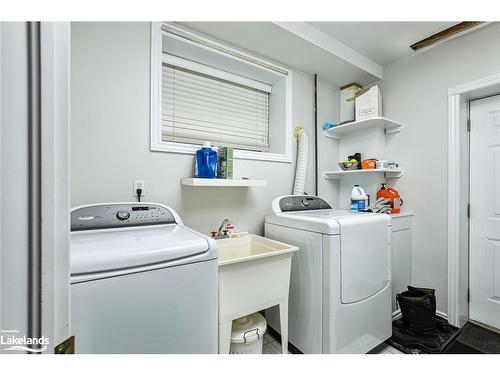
{"x":462,"y":320}
{"x":442,"y":314}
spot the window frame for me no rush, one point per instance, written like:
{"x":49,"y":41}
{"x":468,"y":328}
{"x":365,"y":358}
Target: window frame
{"x":156,"y":142}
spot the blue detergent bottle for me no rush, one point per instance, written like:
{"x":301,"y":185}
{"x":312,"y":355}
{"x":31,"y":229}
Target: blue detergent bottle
{"x":206,"y":162}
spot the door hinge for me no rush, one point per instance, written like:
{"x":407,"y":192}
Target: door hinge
{"x":468,"y":124}
{"x":468,"y":295}
{"x":468,"y":210}
{"x":66,"y":347}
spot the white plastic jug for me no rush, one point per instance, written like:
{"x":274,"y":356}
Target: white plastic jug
{"x":359,"y":199}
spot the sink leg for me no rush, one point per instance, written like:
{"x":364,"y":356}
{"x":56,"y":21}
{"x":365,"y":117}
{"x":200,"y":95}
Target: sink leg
{"x":284,"y":326}
{"x":225,"y":337}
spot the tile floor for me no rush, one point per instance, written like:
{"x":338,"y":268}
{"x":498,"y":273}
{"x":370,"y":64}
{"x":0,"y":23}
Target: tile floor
{"x":271,"y":346}
{"x":385,"y":349}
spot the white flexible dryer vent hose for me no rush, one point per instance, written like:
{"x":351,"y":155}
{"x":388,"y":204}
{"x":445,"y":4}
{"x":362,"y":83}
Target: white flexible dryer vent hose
{"x":302,"y":155}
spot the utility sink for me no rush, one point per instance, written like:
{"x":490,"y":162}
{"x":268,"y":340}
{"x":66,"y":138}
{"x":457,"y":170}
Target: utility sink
{"x":249,"y":247}
{"x":254,"y":274}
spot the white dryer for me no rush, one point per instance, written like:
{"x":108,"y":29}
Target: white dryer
{"x":340,"y":287}
{"x":141,"y":282}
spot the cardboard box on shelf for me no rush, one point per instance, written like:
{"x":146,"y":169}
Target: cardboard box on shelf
{"x":225,"y":162}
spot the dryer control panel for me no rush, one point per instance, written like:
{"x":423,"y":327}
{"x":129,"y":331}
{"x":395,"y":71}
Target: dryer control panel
{"x":116,"y":215}
{"x":299,"y":203}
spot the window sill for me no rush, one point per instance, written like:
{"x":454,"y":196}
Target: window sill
{"x":184,"y":148}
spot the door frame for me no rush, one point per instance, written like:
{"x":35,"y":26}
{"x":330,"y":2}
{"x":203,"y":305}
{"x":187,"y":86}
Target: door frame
{"x":458,"y":191}
{"x":55,"y":53}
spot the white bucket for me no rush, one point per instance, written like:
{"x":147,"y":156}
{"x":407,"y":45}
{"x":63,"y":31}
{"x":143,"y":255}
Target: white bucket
{"x":247,"y":334}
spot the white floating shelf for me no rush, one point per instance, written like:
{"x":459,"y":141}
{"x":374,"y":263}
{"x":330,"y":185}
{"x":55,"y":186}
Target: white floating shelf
{"x":220,"y":182}
{"x":389,"y":173}
{"x":376,"y":122}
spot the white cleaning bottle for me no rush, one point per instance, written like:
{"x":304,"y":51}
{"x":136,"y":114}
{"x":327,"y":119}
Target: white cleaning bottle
{"x":359,"y":199}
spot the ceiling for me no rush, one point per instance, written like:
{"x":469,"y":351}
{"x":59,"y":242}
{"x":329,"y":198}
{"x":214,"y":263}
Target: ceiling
{"x":381,"y":42}
{"x":339,"y":52}
{"x":270,"y":41}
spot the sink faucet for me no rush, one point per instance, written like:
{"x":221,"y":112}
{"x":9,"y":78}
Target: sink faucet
{"x":222,"y":231}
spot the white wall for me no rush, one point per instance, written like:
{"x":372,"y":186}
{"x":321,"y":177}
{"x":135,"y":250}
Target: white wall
{"x":415,"y":93}
{"x":110,"y":91}
{"x":371,"y":144}
{"x":328,"y":149}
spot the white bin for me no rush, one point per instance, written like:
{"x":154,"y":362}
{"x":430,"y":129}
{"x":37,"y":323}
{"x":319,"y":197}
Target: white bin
{"x":247,"y":334}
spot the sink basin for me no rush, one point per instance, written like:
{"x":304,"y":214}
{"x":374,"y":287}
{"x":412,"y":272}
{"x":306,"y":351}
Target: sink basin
{"x":254,"y":274}
{"x":249,"y":247}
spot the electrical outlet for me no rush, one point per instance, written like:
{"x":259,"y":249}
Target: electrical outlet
{"x":138,"y":184}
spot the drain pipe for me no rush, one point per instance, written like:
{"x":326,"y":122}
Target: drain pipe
{"x":302,"y":155}
{"x":316,"y":162}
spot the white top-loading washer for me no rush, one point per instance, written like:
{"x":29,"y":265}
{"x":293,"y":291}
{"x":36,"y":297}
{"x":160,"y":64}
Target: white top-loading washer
{"x":141,"y":282}
{"x":340,"y":280}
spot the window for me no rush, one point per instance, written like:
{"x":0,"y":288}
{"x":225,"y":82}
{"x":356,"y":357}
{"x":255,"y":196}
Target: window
{"x":198,"y":107}
{"x":204,"y":91}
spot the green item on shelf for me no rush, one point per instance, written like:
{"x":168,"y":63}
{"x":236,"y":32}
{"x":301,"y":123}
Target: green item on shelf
{"x":225,"y":162}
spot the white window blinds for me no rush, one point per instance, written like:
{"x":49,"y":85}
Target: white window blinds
{"x":197,"y":107}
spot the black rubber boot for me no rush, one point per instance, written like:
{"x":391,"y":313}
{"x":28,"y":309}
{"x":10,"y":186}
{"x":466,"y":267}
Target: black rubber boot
{"x":403,"y":339}
{"x":418,"y":307}
{"x":430,"y":292}
{"x":420,"y":330}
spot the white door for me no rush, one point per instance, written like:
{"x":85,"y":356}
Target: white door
{"x":485,"y":211}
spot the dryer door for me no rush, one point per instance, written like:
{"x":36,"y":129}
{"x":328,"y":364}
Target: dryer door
{"x":364,"y":256}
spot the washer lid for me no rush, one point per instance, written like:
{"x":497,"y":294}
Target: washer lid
{"x":319,"y":221}
{"x":121,"y":248}
{"x":308,"y":212}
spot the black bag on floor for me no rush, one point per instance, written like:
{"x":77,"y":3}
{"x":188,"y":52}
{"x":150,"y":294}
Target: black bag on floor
{"x":418,"y":307}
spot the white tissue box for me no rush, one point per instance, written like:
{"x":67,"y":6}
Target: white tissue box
{"x":369,"y":104}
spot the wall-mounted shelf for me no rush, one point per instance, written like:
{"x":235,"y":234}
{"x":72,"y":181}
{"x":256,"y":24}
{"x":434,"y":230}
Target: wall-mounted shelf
{"x":377,"y":122}
{"x":389,"y":173}
{"x":219,"y":182}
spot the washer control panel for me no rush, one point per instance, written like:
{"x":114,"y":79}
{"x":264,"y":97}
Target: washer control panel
{"x":116,"y":215}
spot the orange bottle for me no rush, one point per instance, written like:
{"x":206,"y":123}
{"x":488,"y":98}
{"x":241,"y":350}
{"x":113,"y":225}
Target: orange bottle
{"x":393,"y":196}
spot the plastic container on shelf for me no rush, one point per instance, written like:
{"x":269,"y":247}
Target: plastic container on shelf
{"x":205,"y":162}
{"x":247,"y":334}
